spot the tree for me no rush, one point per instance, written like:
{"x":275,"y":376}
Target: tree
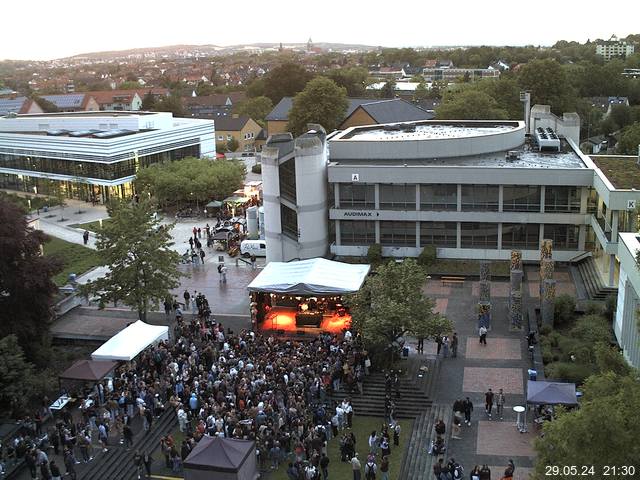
{"x":44,"y":104}
{"x":421,"y":92}
{"x":391,"y":305}
{"x":257,"y":108}
{"x":16,"y":376}
{"x":129,"y":85}
{"x":285,"y":80}
{"x":137,"y":249}
{"x":26,"y":288}
{"x":232,"y":144}
{"x":148,"y":102}
{"x":190,"y":179}
{"x":354,"y":79}
{"x":603,"y":431}
{"x":388,"y":90}
{"x":549,"y":85}
{"x":321,"y":101}
{"x":470,"y":104}
{"x":629,"y":140}
{"x":171,"y":104}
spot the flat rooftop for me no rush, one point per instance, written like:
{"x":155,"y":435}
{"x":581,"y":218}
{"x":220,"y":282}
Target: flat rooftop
{"x":428,"y":131}
{"x":526,"y":158}
{"x":99,"y":113}
{"x":622,"y":171}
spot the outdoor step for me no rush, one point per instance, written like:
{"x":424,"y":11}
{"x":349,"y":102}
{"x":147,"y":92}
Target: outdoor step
{"x":410,"y":454}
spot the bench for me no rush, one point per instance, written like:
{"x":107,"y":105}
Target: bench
{"x":452,"y":281}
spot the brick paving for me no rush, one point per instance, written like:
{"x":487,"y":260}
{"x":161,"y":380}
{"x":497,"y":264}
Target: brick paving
{"x":502,"y":438}
{"x":479,"y":379}
{"x":521,"y":473}
{"x":496,"y":349}
{"x":441,"y":305}
{"x":498,"y":289}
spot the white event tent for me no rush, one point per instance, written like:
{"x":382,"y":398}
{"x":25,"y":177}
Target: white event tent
{"x":128,"y":343}
{"x":317,"y":276}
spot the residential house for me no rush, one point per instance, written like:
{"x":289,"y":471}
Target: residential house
{"x":212,"y":106}
{"x":605,"y":104}
{"x":18,"y":105}
{"x":73,"y":102}
{"x":125,"y":100}
{"x":613,"y":48}
{"x":243,"y":128}
{"x":385,"y":111}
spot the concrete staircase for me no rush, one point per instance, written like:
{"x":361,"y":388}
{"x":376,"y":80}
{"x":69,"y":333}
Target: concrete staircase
{"x":593,"y":283}
{"x":417,"y":463}
{"x":415,"y":392}
{"x":117,"y":463}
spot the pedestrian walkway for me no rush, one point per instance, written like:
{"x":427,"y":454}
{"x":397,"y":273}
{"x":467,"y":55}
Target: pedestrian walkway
{"x":501,"y":364}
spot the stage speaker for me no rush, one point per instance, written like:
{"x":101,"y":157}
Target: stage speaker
{"x":280,"y":332}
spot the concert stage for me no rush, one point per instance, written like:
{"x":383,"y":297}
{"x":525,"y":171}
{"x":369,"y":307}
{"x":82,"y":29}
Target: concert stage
{"x":285,"y":319}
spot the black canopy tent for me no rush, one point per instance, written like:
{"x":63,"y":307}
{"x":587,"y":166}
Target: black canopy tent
{"x":222,"y":459}
{"x":88,"y":370}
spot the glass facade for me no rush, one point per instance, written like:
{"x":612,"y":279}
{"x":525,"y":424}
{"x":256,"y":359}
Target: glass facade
{"x":97,"y":170}
{"x":480,"y":198}
{"x":288,"y":180}
{"x":479,"y":235}
{"x":357,"y":196}
{"x":289,"y":222}
{"x":565,"y":237}
{"x":357,"y":232}
{"x":525,"y":236}
{"x":398,"y":197}
{"x":398,"y":234}
{"x":520,"y":198}
{"x":439,"y":197}
{"x":562,"y":200}
{"x":438,"y":234}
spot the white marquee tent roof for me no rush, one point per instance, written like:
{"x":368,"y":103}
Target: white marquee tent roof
{"x":317,"y":276}
{"x":128,"y":343}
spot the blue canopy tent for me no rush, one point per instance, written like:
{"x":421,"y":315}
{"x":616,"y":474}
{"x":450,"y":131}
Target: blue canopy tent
{"x":551,"y":393}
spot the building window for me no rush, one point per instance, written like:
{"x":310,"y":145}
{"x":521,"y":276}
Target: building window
{"x":562,"y":199}
{"x":288,"y":180}
{"x":357,"y":232}
{"x":398,"y":234}
{"x":438,"y":234}
{"x":520,"y":198}
{"x":220,"y":137}
{"x":289,"y":222}
{"x":524,"y":236}
{"x":357,"y":196}
{"x":439,"y":197}
{"x":480,"y":197}
{"x":398,"y":197}
{"x":564,"y":237}
{"x":229,"y":137}
{"x":479,"y":235}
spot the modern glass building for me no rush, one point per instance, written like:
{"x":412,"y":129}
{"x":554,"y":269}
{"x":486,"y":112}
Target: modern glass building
{"x":94,"y":154}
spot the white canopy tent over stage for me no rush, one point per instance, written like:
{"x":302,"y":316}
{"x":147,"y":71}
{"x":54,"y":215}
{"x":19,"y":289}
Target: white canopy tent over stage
{"x":317,"y":276}
{"x":128,"y":343}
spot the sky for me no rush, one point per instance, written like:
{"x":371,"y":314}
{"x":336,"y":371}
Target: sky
{"x":43,"y":29}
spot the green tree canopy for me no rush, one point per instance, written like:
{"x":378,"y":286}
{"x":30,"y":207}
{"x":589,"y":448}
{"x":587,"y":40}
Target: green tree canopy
{"x":470,"y":104}
{"x":131,"y":84}
{"x":137,"y":250}
{"x":148,"y":101}
{"x":322,"y":101}
{"x":190,"y":180}
{"x":391,"y":305}
{"x":353,"y":79}
{"x":257,"y":108}
{"x":629,"y":140}
{"x":603,"y":431}
{"x":285,"y":80}
{"x":548,"y":83}
{"x":44,"y":104}
{"x":388,"y":90}
{"x":172,"y":104}
{"x":26,"y":288}
{"x":421,"y":92}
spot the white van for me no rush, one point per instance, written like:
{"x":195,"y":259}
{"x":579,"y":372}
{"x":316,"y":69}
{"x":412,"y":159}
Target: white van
{"x":253,"y":247}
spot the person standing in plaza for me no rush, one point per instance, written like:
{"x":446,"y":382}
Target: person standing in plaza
{"x":186,"y":296}
{"x":85,"y":237}
{"x":488,"y":402}
{"x":485,"y":473}
{"x":454,"y":345}
{"x":253,"y":262}
{"x":223,"y":272}
{"x":500,"y":403}
{"x":420,"y":347}
{"x":455,"y":432}
{"x":324,"y":466}
{"x":482,"y":332}
{"x":439,"y":344}
{"x":467,"y":407}
{"x":356,"y":467}
{"x":445,"y":346}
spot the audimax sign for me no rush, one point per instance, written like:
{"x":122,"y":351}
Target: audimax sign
{"x":360,"y":214}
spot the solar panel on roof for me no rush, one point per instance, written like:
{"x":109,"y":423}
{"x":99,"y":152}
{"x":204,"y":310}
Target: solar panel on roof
{"x":83,"y":133}
{"x":113,"y":133}
{"x":56,"y":133}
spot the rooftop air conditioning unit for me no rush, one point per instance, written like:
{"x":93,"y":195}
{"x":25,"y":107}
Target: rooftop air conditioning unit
{"x":547,"y":139}
{"x":512,"y":155}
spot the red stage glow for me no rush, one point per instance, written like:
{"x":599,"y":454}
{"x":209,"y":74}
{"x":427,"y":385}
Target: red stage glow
{"x":285,"y":319}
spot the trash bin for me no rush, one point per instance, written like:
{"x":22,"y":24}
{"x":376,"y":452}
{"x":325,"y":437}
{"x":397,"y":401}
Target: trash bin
{"x":405,"y":351}
{"x":45,"y":208}
{"x":533,"y":374}
{"x":72,"y":278}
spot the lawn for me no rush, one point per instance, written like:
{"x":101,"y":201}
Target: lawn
{"x":362,"y":428}
{"x":76,"y":258}
{"x":91,"y":226}
{"x":37,"y":202}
